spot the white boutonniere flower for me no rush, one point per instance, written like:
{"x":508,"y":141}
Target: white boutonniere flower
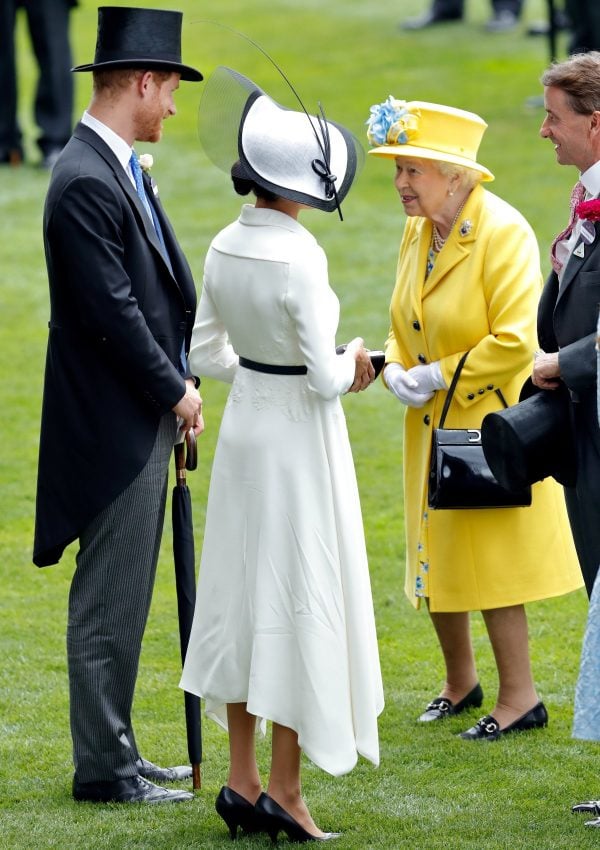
{"x":146,"y":161}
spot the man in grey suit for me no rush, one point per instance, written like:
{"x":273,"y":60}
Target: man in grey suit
{"x":122,"y":304}
{"x":568,"y":310}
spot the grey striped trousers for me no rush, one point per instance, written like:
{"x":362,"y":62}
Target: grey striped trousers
{"x":109,"y":602}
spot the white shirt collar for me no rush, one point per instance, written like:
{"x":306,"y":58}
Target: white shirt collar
{"x":591,"y":179}
{"x":118,"y":146}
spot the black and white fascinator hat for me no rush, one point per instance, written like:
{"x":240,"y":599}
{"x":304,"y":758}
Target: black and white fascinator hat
{"x":301,"y":157}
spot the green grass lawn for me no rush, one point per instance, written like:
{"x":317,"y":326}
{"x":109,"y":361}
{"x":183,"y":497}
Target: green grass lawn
{"x":432,"y":789}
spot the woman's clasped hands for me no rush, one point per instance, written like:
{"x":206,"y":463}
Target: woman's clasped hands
{"x":416,"y":386}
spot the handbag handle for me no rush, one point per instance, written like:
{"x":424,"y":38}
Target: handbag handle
{"x":452,"y":387}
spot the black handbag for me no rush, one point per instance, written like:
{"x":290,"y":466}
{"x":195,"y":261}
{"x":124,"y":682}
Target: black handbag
{"x":459,"y":475}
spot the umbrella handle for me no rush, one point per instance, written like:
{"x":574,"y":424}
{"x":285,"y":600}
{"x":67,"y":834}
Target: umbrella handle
{"x":191,"y":460}
{"x":185,"y":459}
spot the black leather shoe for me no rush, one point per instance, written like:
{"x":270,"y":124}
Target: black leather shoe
{"x":428,"y":19}
{"x":487,"y":729}
{"x":133,"y":789}
{"x":155,"y":773}
{"x":591,"y":807}
{"x":237,"y":811}
{"x":275,"y":820}
{"x":442,"y":707}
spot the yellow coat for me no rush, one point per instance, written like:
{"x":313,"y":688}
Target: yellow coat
{"x":482,"y":296}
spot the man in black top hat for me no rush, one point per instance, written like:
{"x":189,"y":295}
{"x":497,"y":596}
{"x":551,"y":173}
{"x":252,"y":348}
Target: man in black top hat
{"x":116,"y":385}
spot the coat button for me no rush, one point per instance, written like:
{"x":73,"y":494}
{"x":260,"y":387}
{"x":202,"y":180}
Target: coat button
{"x":421,"y":358}
{"x":471,"y":396}
{"x":481,"y":391}
{"x":416,"y":325}
{"x":490,"y":386}
{"x":427,"y":419}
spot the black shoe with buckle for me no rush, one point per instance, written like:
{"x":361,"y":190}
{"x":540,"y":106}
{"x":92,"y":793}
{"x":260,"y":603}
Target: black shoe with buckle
{"x":441,"y":707}
{"x":590,"y":807}
{"x":488,"y":729}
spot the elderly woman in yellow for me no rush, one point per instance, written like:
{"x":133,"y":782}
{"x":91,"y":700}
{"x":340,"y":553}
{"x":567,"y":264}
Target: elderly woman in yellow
{"x":468,"y":279}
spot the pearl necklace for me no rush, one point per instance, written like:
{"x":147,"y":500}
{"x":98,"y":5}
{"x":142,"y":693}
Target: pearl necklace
{"x":436,"y":240}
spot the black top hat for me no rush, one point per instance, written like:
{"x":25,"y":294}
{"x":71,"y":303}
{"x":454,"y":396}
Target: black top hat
{"x":139,"y":38}
{"x":532,"y":440}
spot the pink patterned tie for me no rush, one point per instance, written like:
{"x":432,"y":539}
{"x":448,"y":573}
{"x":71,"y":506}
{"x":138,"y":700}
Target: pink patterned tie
{"x":577,"y":196}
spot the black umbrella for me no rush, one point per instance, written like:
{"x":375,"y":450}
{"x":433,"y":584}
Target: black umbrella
{"x":185,"y":582}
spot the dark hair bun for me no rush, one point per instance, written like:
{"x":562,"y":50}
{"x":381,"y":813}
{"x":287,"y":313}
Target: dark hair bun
{"x":241,"y":184}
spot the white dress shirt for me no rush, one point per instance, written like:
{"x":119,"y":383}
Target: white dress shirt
{"x":118,"y":146}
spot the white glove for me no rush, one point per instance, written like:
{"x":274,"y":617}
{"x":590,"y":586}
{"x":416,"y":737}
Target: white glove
{"x":428,"y":378}
{"x":404,"y":387}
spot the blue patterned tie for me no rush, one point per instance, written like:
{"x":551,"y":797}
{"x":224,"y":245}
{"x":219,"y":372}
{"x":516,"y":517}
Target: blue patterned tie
{"x":136,"y":170}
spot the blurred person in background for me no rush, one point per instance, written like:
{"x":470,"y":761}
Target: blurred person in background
{"x":505,"y":15}
{"x":48,"y":25}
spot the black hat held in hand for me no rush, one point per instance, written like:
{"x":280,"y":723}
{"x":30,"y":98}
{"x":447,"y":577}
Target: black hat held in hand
{"x":531,"y":440}
{"x":139,"y":38}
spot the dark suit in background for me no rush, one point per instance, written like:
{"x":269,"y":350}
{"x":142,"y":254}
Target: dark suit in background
{"x":585,"y":21}
{"x":567,"y":323}
{"x":48,"y":24}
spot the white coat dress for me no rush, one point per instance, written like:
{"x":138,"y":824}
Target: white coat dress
{"x":284,"y":616}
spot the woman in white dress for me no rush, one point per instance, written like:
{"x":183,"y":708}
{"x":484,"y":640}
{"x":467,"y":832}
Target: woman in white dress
{"x":284,"y":627}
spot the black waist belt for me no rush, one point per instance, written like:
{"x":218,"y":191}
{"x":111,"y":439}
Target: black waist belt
{"x":272,"y":368}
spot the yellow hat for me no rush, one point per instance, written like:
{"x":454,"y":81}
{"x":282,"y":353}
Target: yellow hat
{"x":426,"y":131}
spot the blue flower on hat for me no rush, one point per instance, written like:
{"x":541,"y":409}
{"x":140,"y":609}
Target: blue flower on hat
{"x":391,"y":123}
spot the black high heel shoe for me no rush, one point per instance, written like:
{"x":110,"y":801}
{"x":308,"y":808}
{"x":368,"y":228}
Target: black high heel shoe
{"x":237,"y":811}
{"x":275,"y":820}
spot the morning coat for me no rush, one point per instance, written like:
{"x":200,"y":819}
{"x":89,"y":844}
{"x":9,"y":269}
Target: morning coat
{"x":118,"y":320}
{"x":567,"y":322}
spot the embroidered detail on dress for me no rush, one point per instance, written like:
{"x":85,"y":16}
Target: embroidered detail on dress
{"x":289,"y":393}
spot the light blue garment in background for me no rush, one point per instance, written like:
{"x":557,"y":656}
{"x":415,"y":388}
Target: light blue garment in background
{"x":586,"y":722}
